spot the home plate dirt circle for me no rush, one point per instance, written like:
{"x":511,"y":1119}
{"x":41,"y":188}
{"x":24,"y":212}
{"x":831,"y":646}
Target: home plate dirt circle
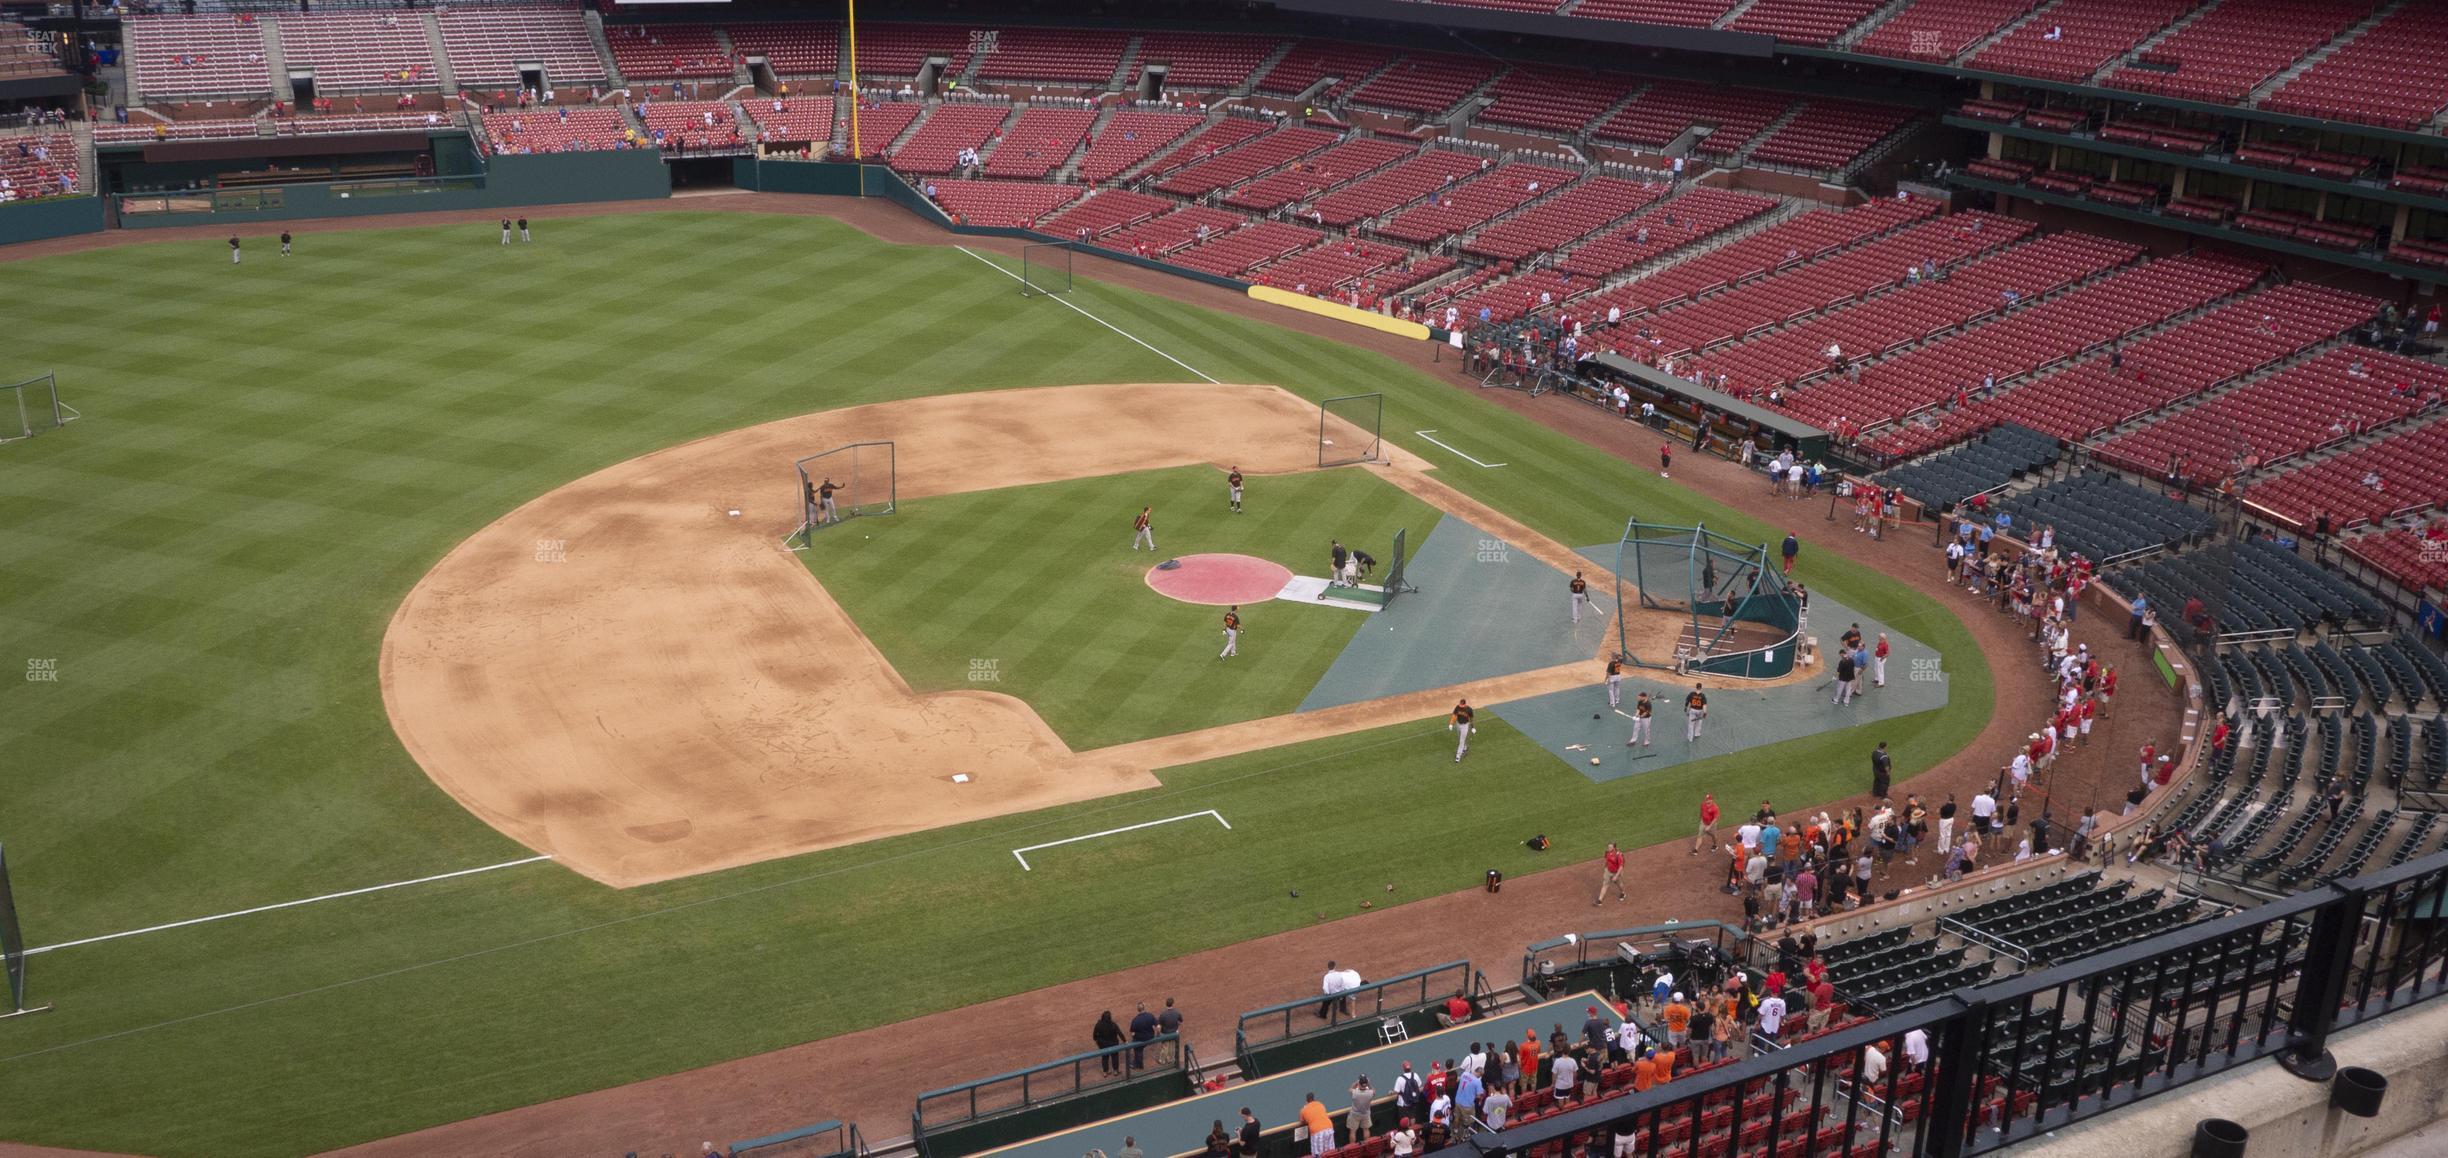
{"x":1220,"y":579}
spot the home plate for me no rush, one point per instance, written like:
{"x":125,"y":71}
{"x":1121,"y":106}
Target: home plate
{"x":1308,"y":589}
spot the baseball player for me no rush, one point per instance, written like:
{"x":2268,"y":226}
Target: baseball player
{"x":285,"y":243}
{"x":1665,"y":459}
{"x":523,"y":234}
{"x":824,"y":501}
{"x":1363,"y":562}
{"x":1461,"y":726}
{"x":1334,"y":573}
{"x":233,"y":249}
{"x":1232,"y":632}
{"x":1580,"y":595}
{"x":1233,"y":481}
{"x":505,"y":231}
{"x":1143,"y":530}
{"x":1695,"y":713}
{"x":1642,"y":708}
{"x":1614,"y":681}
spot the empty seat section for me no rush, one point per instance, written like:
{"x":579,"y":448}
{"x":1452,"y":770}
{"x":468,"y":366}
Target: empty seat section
{"x":1394,"y":187}
{"x":900,"y":50}
{"x":2166,"y":367}
{"x":1210,"y":142}
{"x":1552,"y":100}
{"x":193,"y":56}
{"x":1584,"y":208}
{"x":937,"y":145}
{"x":656,"y":51}
{"x":1088,"y":56}
{"x":1669,"y":108}
{"x":1310,"y":176}
{"x":2026,"y":339}
{"x":47,"y":167}
{"x":206,"y":130}
{"x":873,"y":125}
{"x":1425,"y":82}
{"x":2283,"y":415}
{"x":2405,"y":554}
{"x":564,"y":129}
{"x":357,"y":50}
{"x":488,"y":46}
{"x":1469,"y":204}
{"x":1250,"y":159}
{"x":1830,"y":134}
{"x":1209,"y":60}
{"x":798,"y":119}
{"x":1100,"y":213}
{"x":1532,"y":292}
{"x":2411,"y":469}
{"x":1183,"y":226}
{"x":692,"y":125}
{"x":1539,"y":6}
{"x":2071,"y":39}
{"x":1310,"y":61}
{"x":1001,"y":204}
{"x":1939,"y":29}
{"x":790,"y":47}
{"x":1329,"y":267}
{"x":1804,"y":21}
{"x":1039,"y":142}
{"x":1132,"y":136}
{"x":1228,"y":254}
{"x":1830,"y":283}
{"x":1677,"y":13}
{"x":2394,"y":74}
{"x":2233,"y":48}
{"x":1799,"y":238}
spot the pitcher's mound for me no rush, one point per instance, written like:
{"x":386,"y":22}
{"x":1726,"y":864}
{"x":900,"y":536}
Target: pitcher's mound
{"x":1220,"y":579}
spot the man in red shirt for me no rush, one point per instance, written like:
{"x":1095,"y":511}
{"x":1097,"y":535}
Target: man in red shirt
{"x":2218,"y":739}
{"x":1878,"y":662}
{"x":1613,"y":876}
{"x":2149,"y":751}
{"x":1708,"y":824}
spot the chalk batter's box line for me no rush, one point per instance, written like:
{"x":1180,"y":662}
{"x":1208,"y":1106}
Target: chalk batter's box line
{"x":1020,"y":854}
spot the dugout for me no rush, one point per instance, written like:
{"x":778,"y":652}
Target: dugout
{"x":1624,"y":962}
{"x":972,"y":1117}
{"x":1290,"y":1035}
{"x":1694,"y":404}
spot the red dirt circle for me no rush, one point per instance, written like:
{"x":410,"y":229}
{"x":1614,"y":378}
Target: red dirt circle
{"x":1219,"y":580}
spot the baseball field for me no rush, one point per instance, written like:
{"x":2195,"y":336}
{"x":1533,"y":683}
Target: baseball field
{"x":303,"y":591}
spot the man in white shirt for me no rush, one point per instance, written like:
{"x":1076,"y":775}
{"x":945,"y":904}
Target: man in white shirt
{"x":1567,"y":1078}
{"x":1772,"y":1016}
{"x":1984,"y":812}
{"x":1874,"y":1065}
{"x":1476,"y":1060}
{"x":1749,"y":835}
{"x":2021,"y":770}
{"x":1916,"y":1049}
{"x":1333,"y":986}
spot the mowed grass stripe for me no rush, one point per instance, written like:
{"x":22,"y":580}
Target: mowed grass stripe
{"x":395,"y":391}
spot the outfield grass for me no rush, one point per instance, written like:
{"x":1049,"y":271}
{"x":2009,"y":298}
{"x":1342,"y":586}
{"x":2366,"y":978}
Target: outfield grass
{"x":274,"y":453}
{"x":1034,"y":587}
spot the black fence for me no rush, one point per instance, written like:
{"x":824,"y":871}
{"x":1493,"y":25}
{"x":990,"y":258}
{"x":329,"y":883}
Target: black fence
{"x":1314,"y":1029}
{"x":1023,"y":1104}
{"x":1991,"y":1066}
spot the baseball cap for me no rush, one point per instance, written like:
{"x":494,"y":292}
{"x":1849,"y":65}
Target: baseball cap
{"x":1678,"y":997}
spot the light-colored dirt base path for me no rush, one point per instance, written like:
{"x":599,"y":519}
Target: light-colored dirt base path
{"x":623,"y":674}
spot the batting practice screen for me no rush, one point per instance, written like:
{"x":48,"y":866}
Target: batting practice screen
{"x":843,"y":483}
{"x":31,"y":407}
{"x":1045,"y":268}
{"x":12,"y":943}
{"x":1348,"y":429}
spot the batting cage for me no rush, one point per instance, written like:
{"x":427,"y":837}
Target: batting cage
{"x":1348,"y":429}
{"x":1045,"y":269}
{"x":1739,"y":617}
{"x":843,"y":483}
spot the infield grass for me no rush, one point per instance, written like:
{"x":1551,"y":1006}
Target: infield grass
{"x":272,"y":455}
{"x":1032,"y":591}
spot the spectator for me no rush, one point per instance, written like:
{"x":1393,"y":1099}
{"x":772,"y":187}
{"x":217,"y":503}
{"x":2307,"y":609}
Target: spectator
{"x":1496,"y":1109}
{"x":1247,"y":1145}
{"x":1320,"y":1126}
{"x":1404,"y":1140}
{"x":1567,"y":1082}
{"x":1219,"y":1143}
{"x":1363,"y":1110}
{"x":1457,"y":1010}
{"x":1142,"y":1031}
{"x":1107,"y":1034}
{"x":1410,"y":1095}
{"x":1130,"y":1145}
{"x":1170,"y":1021}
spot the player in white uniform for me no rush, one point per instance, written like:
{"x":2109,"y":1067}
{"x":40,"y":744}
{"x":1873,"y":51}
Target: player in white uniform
{"x":1614,"y":681}
{"x":1143,"y":529}
{"x":1232,"y":633}
{"x":1695,"y":713}
{"x":1233,"y":480}
{"x":1580,"y":595}
{"x":1642,"y":708}
{"x":1461,"y":726}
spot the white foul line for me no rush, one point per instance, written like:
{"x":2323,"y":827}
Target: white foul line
{"x":1427,"y":434}
{"x":288,"y":904}
{"x":1024,"y":864}
{"x":998,"y":268}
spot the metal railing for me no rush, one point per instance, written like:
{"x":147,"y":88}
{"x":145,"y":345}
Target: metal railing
{"x":1052,"y":1081}
{"x":2032,"y":1053}
{"x":1372,"y":1001}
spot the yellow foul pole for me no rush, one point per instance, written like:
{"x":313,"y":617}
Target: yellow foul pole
{"x":855,"y":154}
